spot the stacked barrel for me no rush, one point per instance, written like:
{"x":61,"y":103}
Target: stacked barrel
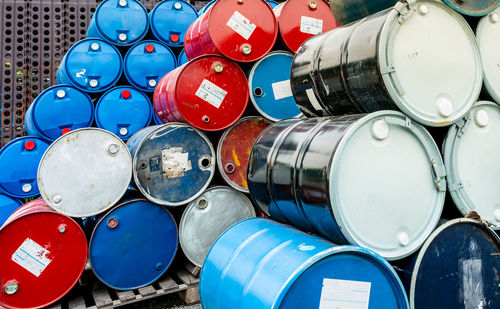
{"x":173,"y":129}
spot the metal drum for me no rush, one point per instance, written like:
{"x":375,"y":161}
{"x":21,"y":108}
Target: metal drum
{"x":207,"y":217}
{"x":458,"y":267}
{"x":146,"y":63}
{"x":473,"y":8}
{"x":234,"y":149}
{"x":120,"y":22}
{"x":182,"y":58}
{"x":210,"y":93}
{"x":270,"y":90}
{"x":377,"y":180}
{"x":348,"y":11}
{"x":261,"y":264}
{"x":18,"y":165}
{"x":91,"y":65}
{"x":7,"y":206}
{"x":85,"y":172}
{"x":488,"y":28}
{"x":43,"y":256}
{"x":298,"y":20}
{"x":272,"y":3}
{"x":173,"y":164}
{"x":243,"y":31}
{"x":472,"y":170}
{"x":133,"y":245}
{"x":123,"y":111}
{"x":398,"y":59}
{"x":170,"y":20}
{"x":58,"y":110}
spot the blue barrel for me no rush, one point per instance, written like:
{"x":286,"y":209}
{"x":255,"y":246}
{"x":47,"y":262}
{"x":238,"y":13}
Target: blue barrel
{"x":170,"y":19}
{"x":146,"y":63}
{"x":272,"y":3}
{"x":57,"y":110}
{"x":133,"y":245}
{"x":91,"y":65}
{"x":19,"y":161}
{"x":120,"y":22}
{"x":182,"y":58}
{"x":7,"y":207}
{"x":270,"y":90}
{"x":261,"y":264}
{"x":123,"y":111}
{"x":473,"y":8}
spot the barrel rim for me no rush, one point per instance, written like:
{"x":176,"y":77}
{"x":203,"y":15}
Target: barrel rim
{"x":336,"y":206}
{"x":390,"y":28}
{"x":192,"y":205}
{"x":126,"y":203}
{"x":488,"y":83}
{"x":459,"y":9}
{"x":47,"y":153}
{"x":429,"y":241}
{"x":205,"y":186}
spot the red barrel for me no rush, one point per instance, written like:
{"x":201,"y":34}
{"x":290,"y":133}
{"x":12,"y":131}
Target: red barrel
{"x":298,"y":20}
{"x":242,"y":30}
{"x":210,"y":93}
{"x":42,"y":257}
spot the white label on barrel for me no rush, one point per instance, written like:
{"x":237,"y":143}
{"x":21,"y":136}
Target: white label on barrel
{"x":32,"y":257}
{"x":345,"y":294}
{"x":311,"y":25}
{"x":174,"y":162}
{"x":312,"y":98}
{"x":282,"y":90}
{"x":241,"y":25}
{"x":211,"y":93}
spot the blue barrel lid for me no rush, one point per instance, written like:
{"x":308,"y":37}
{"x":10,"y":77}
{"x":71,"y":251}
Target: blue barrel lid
{"x":133,"y":245}
{"x":121,"y":22}
{"x":182,"y":58}
{"x":19,"y":161}
{"x":58,"y":109}
{"x":270,"y":90}
{"x":147,"y":62}
{"x":7,"y":206}
{"x":123,"y":111}
{"x":91,"y":65}
{"x":170,"y":19}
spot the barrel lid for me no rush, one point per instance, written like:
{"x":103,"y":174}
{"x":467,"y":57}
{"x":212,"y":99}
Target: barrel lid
{"x":122,"y":22}
{"x":59,"y":108}
{"x":123,"y":111}
{"x":37,"y":281}
{"x":233,"y":151}
{"x":398,"y":167}
{"x":173,"y":163}
{"x":19,"y":162}
{"x":243,"y":31}
{"x":418,"y":55}
{"x":93,"y":65}
{"x":126,"y":253}
{"x":170,"y":20}
{"x":471,"y":167}
{"x":85,"y":172}
{"x":7,"y":206}
{"x":146,"y":63}
{"x":207,"y":217}
{"x":487,"y":28}
{"x":463,"y":255}
{"x":298,"y":20}
{"x":270,"y":89}
{"x":473,"y":8}
{"x":213,"y":91}
{"x":182,"y":58}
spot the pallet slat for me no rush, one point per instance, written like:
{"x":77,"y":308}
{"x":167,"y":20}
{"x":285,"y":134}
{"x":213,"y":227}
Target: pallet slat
{"x":101,"y":297}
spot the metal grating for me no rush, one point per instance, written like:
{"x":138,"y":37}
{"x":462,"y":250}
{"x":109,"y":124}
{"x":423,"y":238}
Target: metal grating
{"x":35,"y":35}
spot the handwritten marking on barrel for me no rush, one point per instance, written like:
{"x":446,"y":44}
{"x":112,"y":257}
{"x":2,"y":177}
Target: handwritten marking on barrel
{"x":32,"y":257}
{"x":81,"y":74}
{"x":235,"y":158}
{"x":175,"y":162}
{"x":241,"y":25}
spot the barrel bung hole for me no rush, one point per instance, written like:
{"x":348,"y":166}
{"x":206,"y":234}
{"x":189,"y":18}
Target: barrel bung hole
{"x":258,"y":92}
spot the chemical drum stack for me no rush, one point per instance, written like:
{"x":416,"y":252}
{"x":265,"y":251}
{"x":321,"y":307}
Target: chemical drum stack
{"x":363,"y":133}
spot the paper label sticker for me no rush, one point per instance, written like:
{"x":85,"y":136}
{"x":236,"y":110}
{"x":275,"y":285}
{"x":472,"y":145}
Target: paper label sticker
{"x":32,"y":257}
{"x":312,"y":98}
{"x":175,"y":162}
{"x":241,"y":25}
{"x":282,"y":90}
{"x":311,"y":25}
{"x":345,"y":294}
{"x":211,"y":93}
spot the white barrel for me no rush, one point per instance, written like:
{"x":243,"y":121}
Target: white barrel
{"x":487,"y":33}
